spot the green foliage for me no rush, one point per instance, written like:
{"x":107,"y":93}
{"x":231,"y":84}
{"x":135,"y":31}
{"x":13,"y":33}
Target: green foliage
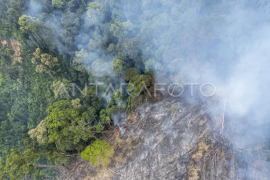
{"x":40,"y":132}
{"x":91,"y":99}
{"x":18,"y":164}
{"x":57,"y":4}
{"x":121,"y":29}
{"x":71,"y":24}
{"x":139,"y":90}
{"x":116,"y":104}
{"x":25,"y":22}
{"x":95,"y":5}
{"x":131,"y":48}
{"x":119,"y":66}
{"x":1,"y":78}
{"x":95,"y":13}
{"x":62,"y":89}
{"x":13,"y":15}
{"x":130,"y":73}
{"x":69,"y":123}
{"x":111,"y":48}
{"x":98,"y":153}
{"x":44,"y":62}
{"x":81,"y":60}
{"x":138,"y":82}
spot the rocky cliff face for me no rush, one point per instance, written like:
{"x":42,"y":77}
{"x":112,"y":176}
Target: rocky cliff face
{"x":181,"y":140}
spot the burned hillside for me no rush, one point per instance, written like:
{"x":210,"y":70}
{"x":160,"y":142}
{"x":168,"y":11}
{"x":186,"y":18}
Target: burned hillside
{"x":187,"y":140}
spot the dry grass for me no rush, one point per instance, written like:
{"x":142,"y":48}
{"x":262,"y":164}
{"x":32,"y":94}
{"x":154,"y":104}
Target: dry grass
{"x":202,"y":147}
{"x":102,"y":174}
{"x":16,"y":47}
{"x":193,"y":172}
{"x":4,"y":42}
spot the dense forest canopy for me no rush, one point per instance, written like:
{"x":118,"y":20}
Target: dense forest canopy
{"x":47,"y":45}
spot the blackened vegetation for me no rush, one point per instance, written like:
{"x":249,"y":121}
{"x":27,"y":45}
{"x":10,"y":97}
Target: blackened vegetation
{"x":185,"y":140}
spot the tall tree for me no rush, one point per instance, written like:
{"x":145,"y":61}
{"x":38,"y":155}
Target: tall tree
{"x":69,"y":123}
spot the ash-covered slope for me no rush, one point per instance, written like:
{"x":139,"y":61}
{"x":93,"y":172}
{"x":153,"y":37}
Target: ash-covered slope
{"x":182,"y":140}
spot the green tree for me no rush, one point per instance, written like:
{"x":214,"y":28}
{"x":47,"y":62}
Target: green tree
{"x":58,"y":4}
{"x":95,"y":13}
{"x":12,"y":15}
{"x":112,"y":48}
{"x":44,"y":62}
{"x":62,"y":89}
{"x":121,"y":29}
{"x":131,"y":48}
{"x":91,"y":99}
{"x":18,"y":164}
{"x":68,"y":124}
{"x":116,"y":104}
{"x":24,"y":22}
{"x":119,"y":66}
{"x":138,"y":88}
{"x":98,"y":153}
{"x":130,"y":73}
{"x":71,"y":24}
{"x":40,"y":132}
{"x":82,"y":60}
